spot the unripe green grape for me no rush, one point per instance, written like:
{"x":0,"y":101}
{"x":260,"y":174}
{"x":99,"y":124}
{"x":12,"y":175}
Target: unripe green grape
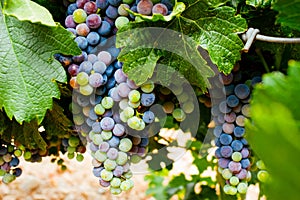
{"x":110,"y":164}
{"x":100,"y":156}
{"x":236,"y":156}
{"x":2,"y":172}
{"x":92,"y":134}
{"x":126,"y":185}
{"x":134,"y":96}
{"x":128,"y":1}
{"x":10,"y":148}
{"x":234,"y":180}
{"x":115,"y":182}
{"x":106,"y":135}
{"x":122,"y":158}
{"x":82,"y":78}
{"x":78,"y":119}
{"x":71,"y":155}
{"x":79,"y":157}
{"x":263,"y":176}
{"x":226,"y":174}
{"x":99,"y":109}
{"x":122,"y":11}
{"x":188,"y":107}
{"x":97,"y":139}
{"x":125,"y":144}
{"x":121,"y":22}
{"x":128,"y":175}
{"x":260,"y":164}
{"x":134,"y":105}
{"x":86,"y":90}
{"x":8,"y":178}
{"x":27,"y":155}
{"x":123,"y":117}
{"x":148,"y":87}
{"x":179,"y":115}
{"x":106,"y":175}
{"x":71,"y":149}
{"x":79,"y":16}
{"x":135,"y":159}
{"x":115,"y":190}
{"x":242,"y":188}
{"x":134,"y":122}
{"x":128,"y":112}
{"x":107,"y":102}
{"x":1,"y":161}
{"x":73,"y":141}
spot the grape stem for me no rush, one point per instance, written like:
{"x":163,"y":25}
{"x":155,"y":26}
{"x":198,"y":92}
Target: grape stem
{"x":252,"y":34}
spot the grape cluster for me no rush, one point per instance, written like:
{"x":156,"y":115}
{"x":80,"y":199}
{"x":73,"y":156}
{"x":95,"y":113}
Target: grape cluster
{"x":9,"y":161}
{"x":229,"y":115}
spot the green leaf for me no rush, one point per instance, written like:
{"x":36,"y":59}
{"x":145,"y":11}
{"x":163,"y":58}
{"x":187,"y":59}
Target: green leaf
{"x":177,"y":9}
{"x":26,"y":10}
{"x":176,"y":43}
{"x":28,"y":71}
{"x":289,"y":14}
{"x":274,"y":130}
{"x":56,"y":123}
{"x":259,"y":3}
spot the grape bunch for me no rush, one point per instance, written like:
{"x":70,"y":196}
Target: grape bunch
{"x":229,"y":115}
{"x":9,"y":161}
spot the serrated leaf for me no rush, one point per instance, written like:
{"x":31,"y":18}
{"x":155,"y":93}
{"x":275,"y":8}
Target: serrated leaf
{"x":289,"y":14}
{"x":28,"y":71}
{"x":26,"y":10}
{"x":275,"y":121}
{"x":177,"y":9}
{"x":259,"y":3}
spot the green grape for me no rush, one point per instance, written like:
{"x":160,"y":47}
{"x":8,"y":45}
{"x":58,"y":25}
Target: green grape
{"x":134,"y":96}
{"x":7,"y":157}
{"x":148,"y":87}
{"x":188,"y":107}
{"x":128,"y":112}
{"x":100,"y":156}
{"x":236,"y":156}
{"x":183,"y":97}
{"x":2,"y":172}
{"x":71,"y":149}
{"x":135,"y":159}
{"x":97,"y":139}
{"x":122,"y":158}
{"x":106,"y":175}
{"x":107,"y":102}
{"x":177,"y":89}
{"x":82,"y":78}
{"x":126,"y":185}
{"x":73,"y":141}
{"x":1,"y":161}
{"x":121,"y":22}
{"x":79,"y":157}
{"x":79,"y":16}
{"x":125,"y":144}
{"x":78,"y":119}
{"x":123,"y":117}
{"x":128,"y":175}
{"x":71,"y":155}
{"x":128,"y":1}
{"x":242,"y":187}
{"x":92,"y":134}
{"x":263,"y":176}
{"x":123,"y":104}
{"x":8,"y":178}
{"x":134,"y":105}
{"x":106,"y":135}
{"x":234,"y":180}
{"x":226,"y":174}
{"x":115,"y":190}
{"x":110,"y":164}
{"x":142,"y":125}
{"x":99,"y":109}
{"x":115,"y":182}
{"x":178,"y":114}
{"x":27,"y":155}
{"x":134,"y":122}
{"x":10,"y":148}
{"x":86,"y":90}
{"x":226,"y":189}
{"x":260,"y":164}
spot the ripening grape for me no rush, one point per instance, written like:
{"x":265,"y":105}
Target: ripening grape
{"x":160,"y":8}
{"x":93,"y":21}
{"x":144,"y":7}
{"x":90,"y":7}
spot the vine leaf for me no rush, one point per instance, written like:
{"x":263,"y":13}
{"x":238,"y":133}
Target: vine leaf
{"x":215,"y":30}
{"x":28,"y":71}
{"x":29,"y":11}
{"x":275,"y":121}
{"x":260,"y":3}
{"x":288,"y":13}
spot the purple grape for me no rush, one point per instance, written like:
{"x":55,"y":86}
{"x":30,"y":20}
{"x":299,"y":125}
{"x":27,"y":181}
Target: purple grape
{"x":90,"y":7}
{"x":104,"y":146}
{"x":147,"y":99}
{"x":112,"y":12}
{"x":160,"y":8}
{"x":234,"y":167}
{"x":71,"y":8}
{"x":245,"y":163}
{"x":81,"y":42}
{"x":112,"y":153}
{"x":218,"y":153}
{"x":107,"y":123}
{"x":118,"y":171}
{"x":226,"y":151}
{"x":224,"y":108}
{"x":245,"y":152}
{"x":97,"y":171}
{"x":115,"y":2}
{"x":80,"y":3}
{"x":104,"y":183}
{"x":230,"y":117}
{"x":242,"y":91}
{"x":119,"y":130}
{"x":225,"y":139}
{"x":95,"y":80}
{"x":69,"y":22}
{"x":102,"y":4}
{"x":104,"y":29}
{"x":93,"y":38}
{"x":114,"y":141}
{"x":93,"y":21}
{"x":223,"y":162}
{"x":239,"y":131}
{"x":144,"y":7}
{"x":237,"y":145}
